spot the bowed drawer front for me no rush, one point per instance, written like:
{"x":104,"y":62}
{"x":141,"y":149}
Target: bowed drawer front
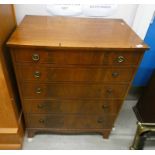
{"x":46,"y":73}
{"x":76,"y":57}
{"x":73,"y":87}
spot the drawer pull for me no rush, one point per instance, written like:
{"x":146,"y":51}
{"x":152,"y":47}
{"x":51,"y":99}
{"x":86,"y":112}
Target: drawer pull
{"x":40,"y":106}
{"x":37,"y":74}
{"x":42,"y":121}
{"x":100,"y":120}
{"x":35,"y":57}
{"x":109,"y":91}
{"x":105,"y":106}
{"x":115,"y":74}
{"x":120,"y":59}
{"x":38,"y":91}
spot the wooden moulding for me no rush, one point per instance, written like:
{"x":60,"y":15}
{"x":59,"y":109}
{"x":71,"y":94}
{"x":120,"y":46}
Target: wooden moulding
{"x":12,"y":138}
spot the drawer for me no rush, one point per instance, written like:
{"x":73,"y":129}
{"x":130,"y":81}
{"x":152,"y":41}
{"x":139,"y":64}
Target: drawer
{"x":74,"y":57}
{"x":44,"y":73}
{"x":69,"y":121}
{"x":72,"y":106}
{"x":72,"y":90}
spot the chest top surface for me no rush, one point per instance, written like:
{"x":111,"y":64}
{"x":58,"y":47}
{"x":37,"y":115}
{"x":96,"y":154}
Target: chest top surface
{"x":64,"y":32}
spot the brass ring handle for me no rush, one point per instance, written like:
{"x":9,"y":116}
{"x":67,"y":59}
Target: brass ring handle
{"x":105,"y":106}
{"x":115,"y":74}
{"x":38,"y":91}
{"x":40,"y":106}
{"x":35,"y":57}
{"x":109,"y":91}
{"x":120,"y":59}
{"x":100,"y":120}
{"x":37,"y":74}
{"x":42,"y":121}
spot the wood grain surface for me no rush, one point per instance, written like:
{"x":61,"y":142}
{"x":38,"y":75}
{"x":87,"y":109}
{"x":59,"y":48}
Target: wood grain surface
{"x":70,"y":32}
{"x":73,"y":73}
{"x":11,"y":129}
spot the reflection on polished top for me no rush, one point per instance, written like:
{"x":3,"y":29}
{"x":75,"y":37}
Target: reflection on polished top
{"x":46,"y":31}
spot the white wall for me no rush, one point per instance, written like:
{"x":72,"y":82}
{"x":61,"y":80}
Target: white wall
{"x":143,"y":19}
{"x":137,"y":16}
{"x":127,"y":12}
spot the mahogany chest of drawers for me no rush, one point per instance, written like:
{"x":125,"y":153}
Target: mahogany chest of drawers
{"x":73,"y":74}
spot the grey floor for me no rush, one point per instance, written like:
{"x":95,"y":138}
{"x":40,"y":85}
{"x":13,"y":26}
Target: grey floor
{"x":120,"y":139}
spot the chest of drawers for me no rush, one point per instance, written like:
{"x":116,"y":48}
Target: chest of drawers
{"x":73,"y":74}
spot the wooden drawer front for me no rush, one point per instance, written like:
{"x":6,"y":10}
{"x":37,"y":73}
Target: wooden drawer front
{"x":89,"y":74}
{"x":83,"y":57}
{"x":69,"y":121}
{"x":41,"y":91}
{"x":72,"y":106}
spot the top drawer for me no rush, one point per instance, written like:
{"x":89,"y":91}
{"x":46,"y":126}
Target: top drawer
{"x":74,"y":57}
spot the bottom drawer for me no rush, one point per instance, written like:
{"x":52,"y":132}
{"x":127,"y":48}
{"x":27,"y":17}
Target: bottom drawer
{"x":69,"y":121}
